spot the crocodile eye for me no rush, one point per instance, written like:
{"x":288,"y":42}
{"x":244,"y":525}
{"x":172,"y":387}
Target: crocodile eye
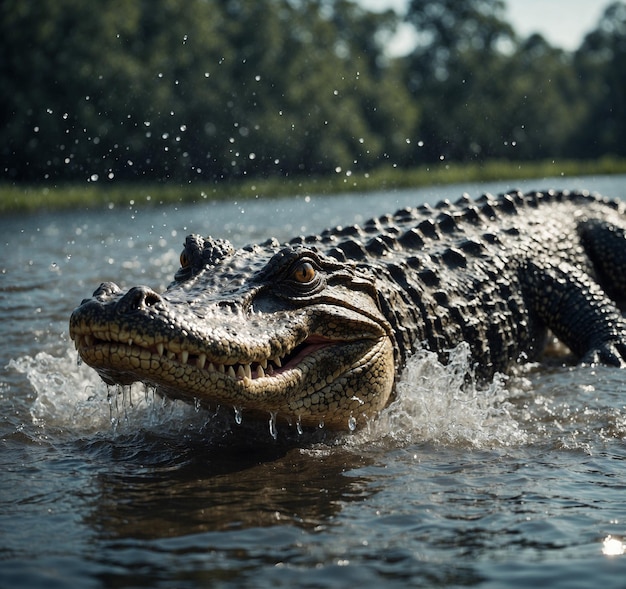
{"x":303,"y":272}
{"x":184,"y":259}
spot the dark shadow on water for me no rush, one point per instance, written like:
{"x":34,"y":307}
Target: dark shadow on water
{"x":153,"y":486}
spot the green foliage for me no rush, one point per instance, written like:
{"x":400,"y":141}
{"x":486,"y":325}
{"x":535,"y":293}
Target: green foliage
{"x":217,"y":90}
{"x":486,"y":93}
{"x":24,"y":198}
{"x":601,"y":63}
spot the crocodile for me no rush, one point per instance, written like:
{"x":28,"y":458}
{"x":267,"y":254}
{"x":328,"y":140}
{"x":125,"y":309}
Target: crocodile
{"x":318,"y":329}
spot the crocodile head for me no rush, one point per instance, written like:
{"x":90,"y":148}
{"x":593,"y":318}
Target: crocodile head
{"x":265,"y":329}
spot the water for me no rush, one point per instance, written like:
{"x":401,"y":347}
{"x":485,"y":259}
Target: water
{"x":520,"y":482}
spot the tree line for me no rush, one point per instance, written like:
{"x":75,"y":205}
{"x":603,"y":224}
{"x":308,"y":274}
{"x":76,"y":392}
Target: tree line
{"x":208,"y":90}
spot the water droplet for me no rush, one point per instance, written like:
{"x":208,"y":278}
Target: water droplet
{"x":272,"y":422}
{"x":148,"y":394}
{"x":321,"y":424}
{"x":352,"y":423}
{"x":196,"y":404}
{"x":238,"y":416}
{"x":299,"y":425}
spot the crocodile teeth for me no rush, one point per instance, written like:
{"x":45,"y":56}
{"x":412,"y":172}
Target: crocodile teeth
{"x":261,"y":368}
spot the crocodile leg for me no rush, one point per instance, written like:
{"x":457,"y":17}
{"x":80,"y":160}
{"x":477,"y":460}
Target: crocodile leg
{"x":605,"y":244}
{"x":577,"y":311}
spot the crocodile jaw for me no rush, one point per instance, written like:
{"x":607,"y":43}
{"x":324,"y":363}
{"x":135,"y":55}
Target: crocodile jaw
{"x":322,"y":363}
{"x":323,"y":384}
{"x":309,"y":388}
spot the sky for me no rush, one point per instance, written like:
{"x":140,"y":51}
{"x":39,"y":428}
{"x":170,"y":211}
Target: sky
{"x":563,"y":23}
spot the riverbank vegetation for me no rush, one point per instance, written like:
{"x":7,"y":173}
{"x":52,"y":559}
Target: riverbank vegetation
{"x":28,"y":198}
{"x":161,"y":101}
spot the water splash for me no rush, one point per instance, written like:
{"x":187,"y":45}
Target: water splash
{"x":74,"y":400}
{"x":439,"y":403}
{"x":67,"y":396}
{"x":571,"y":407}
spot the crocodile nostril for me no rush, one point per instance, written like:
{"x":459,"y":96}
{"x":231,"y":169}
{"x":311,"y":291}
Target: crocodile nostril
{"x":151,"y":299}
{"x":137,"y":298}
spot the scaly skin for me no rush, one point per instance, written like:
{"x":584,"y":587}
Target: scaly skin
{"x":318,"y":330}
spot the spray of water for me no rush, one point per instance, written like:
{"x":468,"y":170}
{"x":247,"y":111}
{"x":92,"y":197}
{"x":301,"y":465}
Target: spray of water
{"x":444,"y":404}
{"x":434,"y":402}
{"x":71,"y":397}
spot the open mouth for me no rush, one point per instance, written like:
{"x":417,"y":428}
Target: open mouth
{"x":141,"y":356}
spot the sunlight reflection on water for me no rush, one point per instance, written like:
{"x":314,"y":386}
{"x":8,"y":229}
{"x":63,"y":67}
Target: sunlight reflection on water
{"x":612,"y":546}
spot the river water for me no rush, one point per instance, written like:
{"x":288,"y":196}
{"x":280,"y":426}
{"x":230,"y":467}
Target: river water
{"x":520,"y":482}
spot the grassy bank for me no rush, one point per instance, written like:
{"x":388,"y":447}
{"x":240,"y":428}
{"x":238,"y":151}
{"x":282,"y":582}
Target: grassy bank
{"x":19,"y":198}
